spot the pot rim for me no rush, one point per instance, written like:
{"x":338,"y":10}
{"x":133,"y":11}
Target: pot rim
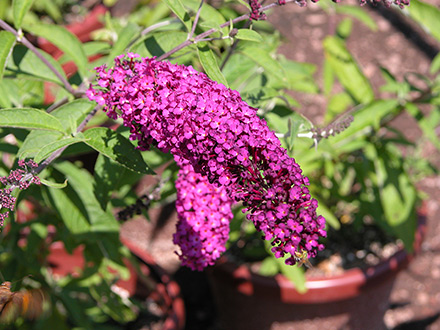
{"x":321,"y":289}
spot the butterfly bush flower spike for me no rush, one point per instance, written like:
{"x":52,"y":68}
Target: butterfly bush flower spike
{"x":204,"y":213}
{"x":209,"y":126}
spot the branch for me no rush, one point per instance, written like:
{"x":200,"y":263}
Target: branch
{"x":196,"y":20}
{"x":37,"y":52}
{"x":213,"y":30}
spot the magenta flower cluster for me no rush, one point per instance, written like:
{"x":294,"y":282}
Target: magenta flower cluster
{"x":20,"y":178}
{"x":204,"y":213}
{"x":207,"y":125}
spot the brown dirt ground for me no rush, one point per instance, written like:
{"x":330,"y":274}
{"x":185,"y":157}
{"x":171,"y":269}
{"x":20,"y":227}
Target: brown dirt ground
{"x":415,"y":299}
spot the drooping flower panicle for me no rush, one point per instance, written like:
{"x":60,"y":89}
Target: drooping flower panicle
{"x":20,"y":178}
{"x":209,"y":126}
{"x":204,"y":213}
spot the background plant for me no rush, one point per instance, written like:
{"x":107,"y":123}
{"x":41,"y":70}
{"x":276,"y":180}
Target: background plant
{"x":358,"y":174}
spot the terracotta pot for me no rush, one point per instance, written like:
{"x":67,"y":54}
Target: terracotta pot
{"x":357,"y":299}
{"x":166,"y":291}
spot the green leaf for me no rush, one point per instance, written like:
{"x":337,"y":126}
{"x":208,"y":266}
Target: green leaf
{"x":5,"y":102}
{"x":294,"y":273}
{"x":159,"y":43}
{"x":53,"y":184}
{"x":300,"y":76}
{"x":251,"y":35}
{"x":344,"y":28}
{"x":435,"y":65}
{"x":263,"y":58}
{"x":19,"y":10}
{"x":337,"y":104}
{"x":209,"y":16}
{"x":116,"y":147}
{"x":29,"y":118}
{"x":358,"y":13}
{"x":329,"y":216}
{"x":269,"y":267}
{"x":209,"y":63}
{"x":69,"y":212}
{"x":36,"y":140}
{"x":124,"y":38}
{"x":7,"y":41}
{"x":73,"y":113}
{"x":428,"y":16}
{"x":427,"y":124}
{"x":238,"y":69}
{"x":398,"y":197}
{"x":328,"y":77}
{"x":64,"y":40}
{"x":23,"y":61}
{"x":178,"y":9}
{"x":108,"y":175}
{"x":347,"y":70}
{"x":49,"y":148}
{"x":111,"y":303}
{"x":83,"y":184}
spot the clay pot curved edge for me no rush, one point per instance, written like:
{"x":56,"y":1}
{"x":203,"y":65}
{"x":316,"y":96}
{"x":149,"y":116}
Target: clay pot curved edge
{"x":320,"y":289}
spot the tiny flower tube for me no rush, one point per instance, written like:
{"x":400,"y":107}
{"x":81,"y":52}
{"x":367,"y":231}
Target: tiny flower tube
{"x":207,"y":125}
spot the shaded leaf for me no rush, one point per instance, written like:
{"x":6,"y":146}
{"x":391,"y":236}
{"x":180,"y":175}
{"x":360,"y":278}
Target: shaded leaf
{"x":108,"y":175}
{"x":116,"y":147}
{"x":427,"y":124}
{"x":69,"y":212}
{"x":82,"y":182}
